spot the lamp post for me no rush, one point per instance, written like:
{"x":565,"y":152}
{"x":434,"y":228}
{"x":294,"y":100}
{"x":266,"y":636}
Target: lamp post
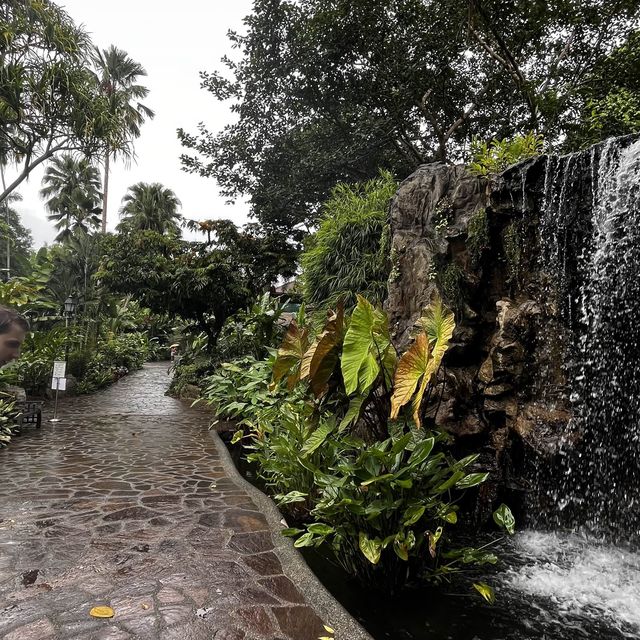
{"x":69,"y":309}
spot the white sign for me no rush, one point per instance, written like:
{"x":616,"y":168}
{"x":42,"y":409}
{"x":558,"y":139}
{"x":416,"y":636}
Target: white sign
{"x":59,"y":383}
{"x":59,"y":369}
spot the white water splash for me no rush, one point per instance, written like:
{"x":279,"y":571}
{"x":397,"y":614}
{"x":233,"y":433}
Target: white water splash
{"x":579,"y":576}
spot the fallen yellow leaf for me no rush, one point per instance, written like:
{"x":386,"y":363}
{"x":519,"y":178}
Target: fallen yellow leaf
{"x":328,"y":629}
{"x":102,"y":612}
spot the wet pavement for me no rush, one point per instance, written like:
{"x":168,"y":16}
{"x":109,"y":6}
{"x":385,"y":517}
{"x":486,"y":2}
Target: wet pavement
{"x":126,"y":503}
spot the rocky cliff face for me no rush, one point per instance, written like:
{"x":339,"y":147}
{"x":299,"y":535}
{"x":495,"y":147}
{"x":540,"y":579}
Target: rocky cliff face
{"x":478,"y":244}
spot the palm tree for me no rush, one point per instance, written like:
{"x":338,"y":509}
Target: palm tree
{"x":72,"y":187}
{"x":118,"y":74}
{"x":150,"y":206}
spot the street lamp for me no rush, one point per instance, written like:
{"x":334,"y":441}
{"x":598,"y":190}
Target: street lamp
{"x":69,"y":308}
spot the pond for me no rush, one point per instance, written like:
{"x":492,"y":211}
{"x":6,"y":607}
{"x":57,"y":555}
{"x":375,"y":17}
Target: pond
{"x":549,"y":586}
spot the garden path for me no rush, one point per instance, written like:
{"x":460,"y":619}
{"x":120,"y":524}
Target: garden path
{"x":126,"y":503}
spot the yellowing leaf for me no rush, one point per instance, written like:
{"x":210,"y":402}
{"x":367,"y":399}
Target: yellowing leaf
{"x":485,"y":591}
{"x":328,"y":629}
{"x":439,"y":324}
{"x":290,"y":355}
{"x":412,"y":367}
{"x":102,"y":612}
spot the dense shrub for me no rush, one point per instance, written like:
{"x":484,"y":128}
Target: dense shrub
{"x":9,"y":416}
{"x":385,"y":500}
{"x":493,"y":157}
{"x":350,"y":252}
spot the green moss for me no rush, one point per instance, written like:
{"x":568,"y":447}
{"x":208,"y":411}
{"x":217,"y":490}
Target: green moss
{"x":477,"y":235}
{"x":450,"y":281}
{"x":512,"y":242}
{"x":442,"y":214}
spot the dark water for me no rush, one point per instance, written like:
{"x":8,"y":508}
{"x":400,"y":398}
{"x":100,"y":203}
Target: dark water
{"x":549,"y":586}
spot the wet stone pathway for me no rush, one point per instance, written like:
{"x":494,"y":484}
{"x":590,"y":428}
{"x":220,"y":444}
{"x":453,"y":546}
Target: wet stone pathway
{"x":126,"y":503}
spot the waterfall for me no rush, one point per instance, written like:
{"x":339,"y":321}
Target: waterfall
{"x":590,"y":249}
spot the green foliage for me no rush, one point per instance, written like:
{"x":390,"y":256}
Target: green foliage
{"x":512,"y":243}
{"x":19,"y":237}
{"x":386,"y":508}
{"x":618,"y":113}
{"x":50,"y":100}
{"x":252,"y":331}
{"x":350,"y":251}
{"x":611,"y":97}
{"x":491,"y":158}
{"x":354,"y":86}
{"x":169,"y":275}
{"x":450,"y":281}
{"x":150,"y":207}
{"x":9,"y":416}
{"x":115,"y":356}
{"x":240,"y":389}
{"x":33,"y":369}
{"x":477,"y":236}
{"x":72,"y":189}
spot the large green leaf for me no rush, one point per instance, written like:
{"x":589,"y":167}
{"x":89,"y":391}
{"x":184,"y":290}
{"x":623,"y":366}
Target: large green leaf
{"x":353,"y":412}
{"x":503,"y":517}
{"x":485,"y":591}
{"x":357,"y":343}
{"x":471,"y":480}
{"x":318,"y":437}
{"x":367,"y":346}
{"x":371,"y":549}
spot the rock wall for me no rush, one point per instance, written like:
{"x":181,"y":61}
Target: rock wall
{"x":477,"y":244}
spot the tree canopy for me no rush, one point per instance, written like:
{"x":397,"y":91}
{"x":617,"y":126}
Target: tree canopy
{"x":50,"y":99}
{"x":330,"y":91}
{"x":170,"y":275}
{"x":152,"y":207}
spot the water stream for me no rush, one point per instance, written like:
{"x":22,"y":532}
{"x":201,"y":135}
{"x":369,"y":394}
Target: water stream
{"x":586,"y":566}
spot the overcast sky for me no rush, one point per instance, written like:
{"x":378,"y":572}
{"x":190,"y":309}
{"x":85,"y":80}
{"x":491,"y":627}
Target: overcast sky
{"x":173,"y":42}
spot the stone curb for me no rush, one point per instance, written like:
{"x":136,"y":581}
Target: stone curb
{"x":329,"y":609}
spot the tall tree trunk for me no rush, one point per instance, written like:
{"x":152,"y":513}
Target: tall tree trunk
{"x":105,"y":193}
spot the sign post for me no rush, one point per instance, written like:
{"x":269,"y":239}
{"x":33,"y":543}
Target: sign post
{"x":59,"y":383}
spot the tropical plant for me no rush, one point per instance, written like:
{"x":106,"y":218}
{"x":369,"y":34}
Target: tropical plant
{"x":351,"y":87}
{"x":493,"y":157}
{"x":17,"y":239}
{"x":72,"y":188}
{"x":349,"y":253}
{"x":118,"y":75}
{"x":253,"y":331}
{"x":385,"y":508}
{"x":169,"y":275}
{"x":50,"y":101}
{"x":150,"y":207}
{"x":357,"y":363}
{"x":9,"y":415}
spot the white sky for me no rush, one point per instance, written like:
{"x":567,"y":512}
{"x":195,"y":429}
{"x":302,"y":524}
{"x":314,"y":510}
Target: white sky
{"x":173,"y":42}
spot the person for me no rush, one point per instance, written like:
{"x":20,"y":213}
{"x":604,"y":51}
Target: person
{"x":13,"y":330}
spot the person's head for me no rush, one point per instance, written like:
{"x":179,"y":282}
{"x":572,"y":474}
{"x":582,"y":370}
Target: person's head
{"x":13,"y":329}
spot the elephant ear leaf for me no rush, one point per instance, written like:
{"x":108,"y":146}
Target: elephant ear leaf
{"x":326,"y":351}
{"x":291,"y":354}
{"x":412,"y":369}
{"x":438,"y":323}
{"x":356,"y":352}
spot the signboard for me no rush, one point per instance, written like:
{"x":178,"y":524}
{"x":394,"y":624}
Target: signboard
{"x":60,"y":384}
{"x":59,"y":369}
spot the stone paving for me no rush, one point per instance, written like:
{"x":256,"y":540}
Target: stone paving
{"x":126,"y":503}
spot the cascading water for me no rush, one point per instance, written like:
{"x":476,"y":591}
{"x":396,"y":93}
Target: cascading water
{"x":585,"y":563}
{"x":590,"y":237}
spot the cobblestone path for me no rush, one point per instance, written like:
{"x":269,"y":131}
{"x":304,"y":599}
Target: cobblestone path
{"x":125,"y":503}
